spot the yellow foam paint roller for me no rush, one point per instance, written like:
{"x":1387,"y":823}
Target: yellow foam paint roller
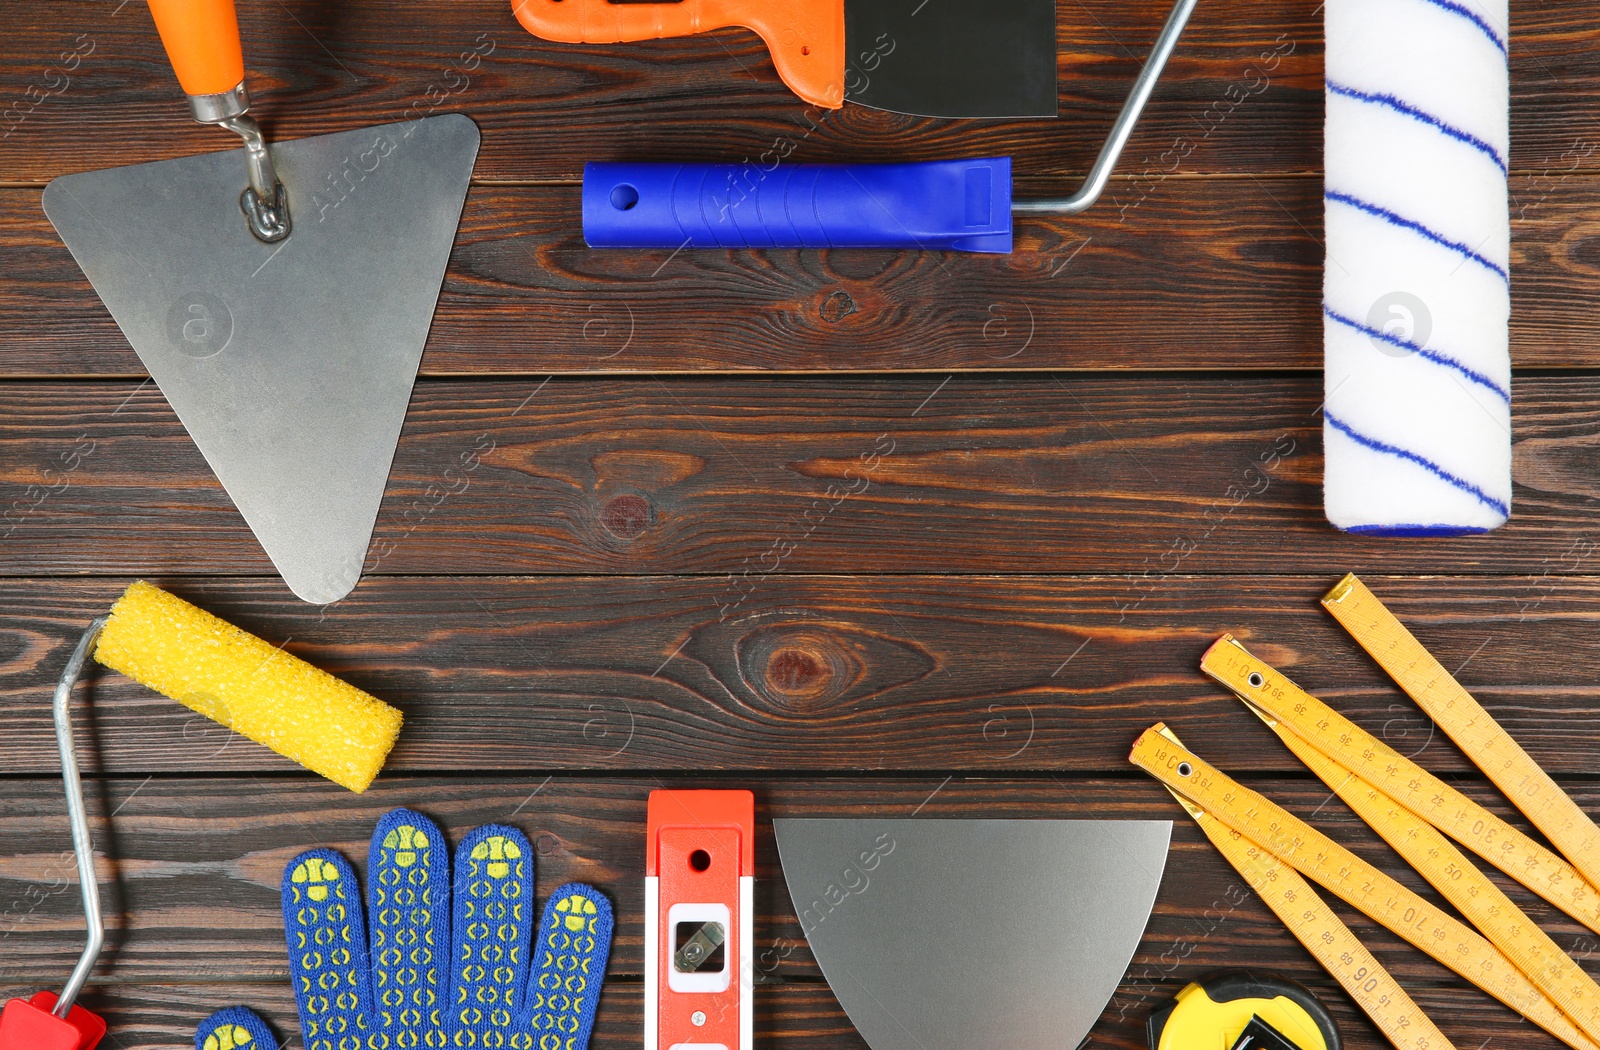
{"x":248,"y":685}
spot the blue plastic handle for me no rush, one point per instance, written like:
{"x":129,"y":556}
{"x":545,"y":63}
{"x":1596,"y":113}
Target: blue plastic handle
{"x":960,"y":205}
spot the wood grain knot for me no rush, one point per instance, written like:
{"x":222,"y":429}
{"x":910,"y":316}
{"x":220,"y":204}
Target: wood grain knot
{"x":1586,"y":251}
{"x":795,"y":672}
{"x":837,"y":307}
{"x":802,"y":668}
{"x":21,"y":651}
{"x":626,"y":517}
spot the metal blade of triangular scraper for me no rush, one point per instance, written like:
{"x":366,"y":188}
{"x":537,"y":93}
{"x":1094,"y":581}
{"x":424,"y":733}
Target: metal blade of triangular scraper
{"x":290,"y":364}
{"x":952,"y":58}
{"x":955,"y":934}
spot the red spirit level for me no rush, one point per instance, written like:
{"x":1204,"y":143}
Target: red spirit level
{"x":699,"y":908}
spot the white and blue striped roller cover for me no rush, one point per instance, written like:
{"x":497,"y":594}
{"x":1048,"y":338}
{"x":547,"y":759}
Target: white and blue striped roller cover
{"x":1416,"y":291}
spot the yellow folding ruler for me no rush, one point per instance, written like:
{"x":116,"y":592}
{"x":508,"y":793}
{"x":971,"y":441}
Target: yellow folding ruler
{"x":1324,"y":935}
{"x":1495,"y":915}
{"x":1359,"y":883}
{"x":1424,"y":794}
{"x":1465,"y":721}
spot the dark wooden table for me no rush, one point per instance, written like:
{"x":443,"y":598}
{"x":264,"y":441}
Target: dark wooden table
{"x":1093,"y":456}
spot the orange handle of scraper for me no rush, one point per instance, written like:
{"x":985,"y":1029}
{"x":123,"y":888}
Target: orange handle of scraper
{"x":806,"y":37}
{"x":202,"y":42}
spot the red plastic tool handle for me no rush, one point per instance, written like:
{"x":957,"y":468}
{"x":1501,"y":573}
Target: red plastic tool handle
{"x":28,"y":1024}
{"x":202,"y":41}
{"x":806,"y":37}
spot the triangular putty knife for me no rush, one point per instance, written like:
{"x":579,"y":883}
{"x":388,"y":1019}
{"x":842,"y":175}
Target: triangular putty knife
{"x":960,"y":934}
{"x":280,"y":297}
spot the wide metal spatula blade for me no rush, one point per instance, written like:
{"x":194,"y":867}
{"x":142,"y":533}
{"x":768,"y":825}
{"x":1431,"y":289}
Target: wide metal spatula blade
{"x":954,"y":934}
{"x":952,"y":58}
{"x":290,"y":364}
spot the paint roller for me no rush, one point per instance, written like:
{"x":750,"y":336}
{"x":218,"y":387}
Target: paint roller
{"x":1417,"y":295}
{"x":247,"y":684}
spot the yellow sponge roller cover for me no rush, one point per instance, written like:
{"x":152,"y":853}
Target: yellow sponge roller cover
{"x":257,"y":689}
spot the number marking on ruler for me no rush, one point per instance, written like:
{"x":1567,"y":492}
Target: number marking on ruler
{"x":1424,"y":794}
{"x":1324,"y":935}
{"x":1465,"y":721}
{"x":1346,"y":875}
{"x":1495,"y":915}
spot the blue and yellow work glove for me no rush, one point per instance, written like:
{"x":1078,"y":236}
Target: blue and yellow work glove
{"x":439,"y":971}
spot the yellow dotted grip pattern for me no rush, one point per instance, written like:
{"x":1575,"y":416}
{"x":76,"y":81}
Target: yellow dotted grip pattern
{"x":248,"y":685}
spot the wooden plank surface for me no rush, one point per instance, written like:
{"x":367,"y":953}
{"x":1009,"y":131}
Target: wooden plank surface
{"x":793,"y":1016}
{"x":1244,"y":88}
{"x":1174,"y":273}
{"x":1016,"y":473}
{"x":1048,"y":674}
{"x":548,"y":108}
{"x":957,"y":536}
{"x":194,"y":913}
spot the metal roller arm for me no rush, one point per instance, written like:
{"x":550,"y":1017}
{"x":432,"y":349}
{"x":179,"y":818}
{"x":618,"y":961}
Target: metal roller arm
{"x":1095,"y":182}
{"x":82,"y":841}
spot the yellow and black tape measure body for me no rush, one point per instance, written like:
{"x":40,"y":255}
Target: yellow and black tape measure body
{"x":1216,"y":1010}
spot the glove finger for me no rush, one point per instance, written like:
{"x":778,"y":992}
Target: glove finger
{"x":408,"y":907}
{"x":569,"y":967}
{"x":327,"y":950}
{"x":492,"y":923}
{"x":234,"y":1028}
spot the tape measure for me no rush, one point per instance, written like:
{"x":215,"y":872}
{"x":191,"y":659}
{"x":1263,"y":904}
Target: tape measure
{"x":1495,"y":915}
{"x":1243,"y":1010}
{"x":1465,"y":721}
{"x":1358,"y":883}
{"x":1424,"y":794}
